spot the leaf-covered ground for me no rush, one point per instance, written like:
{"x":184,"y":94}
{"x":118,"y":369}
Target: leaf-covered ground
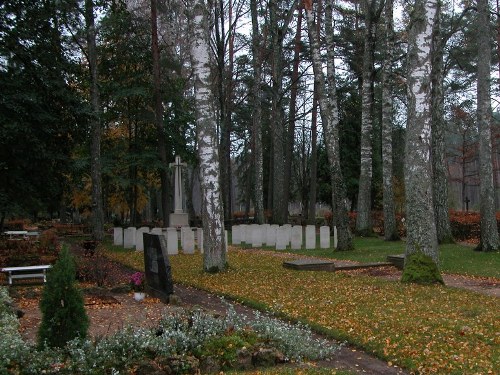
{"x":430,"y":329}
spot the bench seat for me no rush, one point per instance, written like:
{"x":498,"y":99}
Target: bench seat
{"x":27,"y":272}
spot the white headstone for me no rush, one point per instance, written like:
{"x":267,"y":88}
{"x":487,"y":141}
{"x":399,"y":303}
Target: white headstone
{"x":158,"y":231}
{"x":257,"y":236}
{"x":118,"y":236}
{"x":324,"y":237}
{"x":281,"y":238}
{"x":172,"y":241}
{"x":236,"y":235}
{"x":265,"y":228}
{"x":188,"y":245}
{"x":248,"y":234}
{"x":129,"y":237}
{"x":199,"y":239}
{"x":243,"y":232}
{"x":225,"y":237}
{"x":335,"y":238}
{"x":271,"y":235}
{"x":288,"y":228}
{"x":296,"y":242}
{"x":310,"y":237}
{"x":139,"y":239}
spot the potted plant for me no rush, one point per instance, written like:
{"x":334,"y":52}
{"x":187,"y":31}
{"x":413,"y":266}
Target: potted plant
{"x":137,"y":280}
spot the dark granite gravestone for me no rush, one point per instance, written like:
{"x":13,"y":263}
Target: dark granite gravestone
{"x":159,"y":282}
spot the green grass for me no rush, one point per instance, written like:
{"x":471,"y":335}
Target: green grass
{"x":455,"y":258}
{"x":422,"y":328}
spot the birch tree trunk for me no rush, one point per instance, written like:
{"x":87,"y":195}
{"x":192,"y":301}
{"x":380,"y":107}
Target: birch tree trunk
{"x":363,"y":218}
{"x":421,"y":227}
{"x":214,"y":244}
{"x":390,"y":226}
{"x":440,"y":181}
{"x":489,"y":230}
{"x":95,"y":125}
{"x":327,"y":97}
{"x":257,"y":115}
{"x":158,"y":108}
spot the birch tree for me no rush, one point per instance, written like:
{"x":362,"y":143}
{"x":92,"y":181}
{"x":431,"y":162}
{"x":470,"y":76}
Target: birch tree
{"x":327,"y":97}
{"x":390,"y":225}
{"x":214,"y":244}
{"x":489,"y":230}
{"x":421,"y":228}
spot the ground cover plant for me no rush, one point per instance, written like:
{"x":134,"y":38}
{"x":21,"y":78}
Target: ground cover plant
{"x":423,"y":328}
{"x":187,"y":341}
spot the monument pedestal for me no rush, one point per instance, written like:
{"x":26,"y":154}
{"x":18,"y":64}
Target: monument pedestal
{"x":179,"y":220}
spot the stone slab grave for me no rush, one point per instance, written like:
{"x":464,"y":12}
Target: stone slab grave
{"x":129,"y":237}
{"x":118,"y":236}
{"x":310,"y":265}
{"x":159,"y":281}
{"x":397,"y":260}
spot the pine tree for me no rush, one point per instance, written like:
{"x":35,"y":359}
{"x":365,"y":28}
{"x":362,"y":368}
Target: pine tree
{"x":63,"y":311}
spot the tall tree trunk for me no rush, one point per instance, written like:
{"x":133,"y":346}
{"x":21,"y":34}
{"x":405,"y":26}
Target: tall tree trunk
{"x":280,"y":206}
{"x":256,"y":116}
{"x":95,"y":125}
{"x":489,"y":229}
{"x":440,"y":181}
{"x":162,"y":144}
{"x":311,"y":216}
{"x":293,"y":105}
{"x":225,"y":90}
{"x":421,"y":227}
{"x":390,"y":226}
{"x":214,"y":244}
{"x":327,"y":97}
{"x":363,"y":219}
{"x":313,"y":170}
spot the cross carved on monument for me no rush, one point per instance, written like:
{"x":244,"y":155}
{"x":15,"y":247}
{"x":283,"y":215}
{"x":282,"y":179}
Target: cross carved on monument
{"x":178,"y":184}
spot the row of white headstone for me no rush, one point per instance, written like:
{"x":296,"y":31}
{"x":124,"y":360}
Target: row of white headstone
{"x":190,"y":238}
{"x":282,"y":237}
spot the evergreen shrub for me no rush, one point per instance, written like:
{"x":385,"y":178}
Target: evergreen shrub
{"x":62,"y":305}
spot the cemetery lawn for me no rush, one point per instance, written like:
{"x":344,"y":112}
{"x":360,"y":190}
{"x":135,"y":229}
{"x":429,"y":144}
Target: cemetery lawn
{"x":455,"y":258}
{"x":422,"y":328}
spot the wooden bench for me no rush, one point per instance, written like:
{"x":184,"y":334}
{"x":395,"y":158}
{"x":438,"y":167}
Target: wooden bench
{"x":27,"y":272}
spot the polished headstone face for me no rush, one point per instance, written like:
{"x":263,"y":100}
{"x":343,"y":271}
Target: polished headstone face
{"x":157,"y":266}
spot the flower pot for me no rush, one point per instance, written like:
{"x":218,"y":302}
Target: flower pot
{"x":139,"y":296}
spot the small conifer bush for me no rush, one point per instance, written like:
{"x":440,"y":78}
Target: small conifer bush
{"x":62,"y":305}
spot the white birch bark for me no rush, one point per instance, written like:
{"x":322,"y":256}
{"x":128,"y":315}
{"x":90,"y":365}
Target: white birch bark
{"x":489,"y":230}
{"x":421,"y":227}
{"x":390,"y":227}
{"x":327,"y":98}
{"x":214,"y":245}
